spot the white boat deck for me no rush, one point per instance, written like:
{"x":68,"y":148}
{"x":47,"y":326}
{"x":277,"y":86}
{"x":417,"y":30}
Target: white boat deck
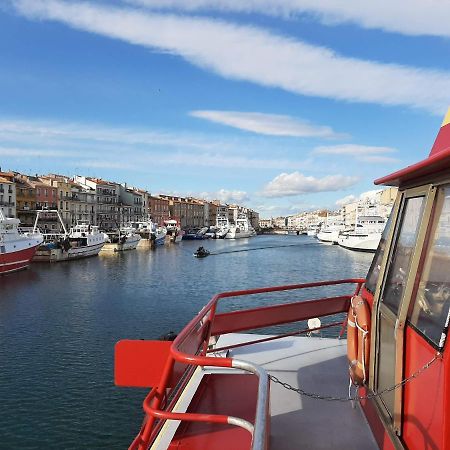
{"x":316,"y":365}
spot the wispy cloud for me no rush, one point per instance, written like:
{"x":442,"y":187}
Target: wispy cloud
{"x":268,"y":124}
{"x":226,"y":196}
{"x":295,"y":183}
{"x":254,"y":54}
{"x":365,"y":153}
{"x":102,"y":146}
{"x":410,"y":17}
{"x":368,"y":195}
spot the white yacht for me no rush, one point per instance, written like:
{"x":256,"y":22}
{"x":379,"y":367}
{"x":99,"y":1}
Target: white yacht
{"x":331,"y":229}
{"x":313,"y":229}
{"x":173,"y":229}
{"x":80,"y":241}
{"x":366,"y":235}
{"x":125,"y":238}
{"x":241,"y":229}
{"x":222,"y":226}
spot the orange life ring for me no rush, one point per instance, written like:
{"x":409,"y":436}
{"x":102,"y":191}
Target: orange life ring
{"x":358,"y":340}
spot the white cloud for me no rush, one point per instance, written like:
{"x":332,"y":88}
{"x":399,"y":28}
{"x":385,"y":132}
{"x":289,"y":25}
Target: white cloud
{"x":369,"y":195}
{"x":346,"y":200}
{"x":353,"y":150}
{"x":289,"y":184}
{"x":411,"y":17}
{"x":268,"y":124}
{"x":108,"y":145}
{"x":253,"y":54}
{"x":15,"y":152}
{"x":226,"y":196}
{"x":365,"y":153}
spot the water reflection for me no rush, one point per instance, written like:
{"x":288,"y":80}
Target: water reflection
{"x":59,"y":324}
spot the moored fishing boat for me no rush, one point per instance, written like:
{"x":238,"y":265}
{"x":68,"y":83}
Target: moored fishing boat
{"x":16,"y":248}
{"x":125,"y":238}
{"x":217,"y":387}
{"x":81,"y":241}
{"x":241,"y":229}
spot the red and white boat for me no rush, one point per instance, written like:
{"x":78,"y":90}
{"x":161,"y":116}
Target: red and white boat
{"x":386,"y":386}
{"x":16,"y":248}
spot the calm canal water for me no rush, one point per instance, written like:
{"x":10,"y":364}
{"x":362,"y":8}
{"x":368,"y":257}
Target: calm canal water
{"x":59,"y":324}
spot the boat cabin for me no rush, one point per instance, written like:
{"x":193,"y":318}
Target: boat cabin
{"x":221,"y":385}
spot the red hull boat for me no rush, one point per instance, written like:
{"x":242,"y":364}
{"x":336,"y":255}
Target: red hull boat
{"x":16,"y":249}
{"x":385,"y":386}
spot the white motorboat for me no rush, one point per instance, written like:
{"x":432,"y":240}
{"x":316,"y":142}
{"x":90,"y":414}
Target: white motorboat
{"x":222,"y":226}
{"x":366,"y":235}
{"x":173,"y":229}
{"x":331,"y":229}
{"x":313,"y":229}
{"x":80,"y":241}
{"x":123,"y":239}
{"x":16,"y":248}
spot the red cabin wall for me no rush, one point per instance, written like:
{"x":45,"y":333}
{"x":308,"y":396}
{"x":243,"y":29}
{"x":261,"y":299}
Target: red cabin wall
{"x":424,"y":400}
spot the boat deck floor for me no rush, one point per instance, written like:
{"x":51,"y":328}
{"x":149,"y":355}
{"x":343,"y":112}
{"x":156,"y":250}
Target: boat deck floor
{"x":316,"y":365}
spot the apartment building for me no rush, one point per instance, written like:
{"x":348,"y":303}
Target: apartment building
{"x":108,"y":212}
{"x":7,"y":194}
{"x":215,"y":210}
{"x":25,"y":200}
{"x":189,"y":211}
{"x":159,"y":209}
{"x":134,"y":199}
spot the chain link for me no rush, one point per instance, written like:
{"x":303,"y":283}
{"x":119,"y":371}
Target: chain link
{"x":331,"y":398}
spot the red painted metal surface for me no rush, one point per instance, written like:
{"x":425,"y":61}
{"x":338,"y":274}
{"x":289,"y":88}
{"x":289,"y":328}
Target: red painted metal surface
{"x":234,"y":395}
{"x":435,"y":163}
{"x":190,"y":348}
{"x":424,"y":401}
{"x":376,"y":425}
{"x":442,"y":141}
{"x":367,"y":296}
{"x":10,"y":262}
{"x":275,"y":315}
{"x":139,"y":363}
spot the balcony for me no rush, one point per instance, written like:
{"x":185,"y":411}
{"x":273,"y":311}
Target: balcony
{"x":4,"y":203}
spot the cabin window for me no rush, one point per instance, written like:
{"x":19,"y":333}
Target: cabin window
{"x":374,"y":271}
{"x":403,"y":252}
{"x":430,"y":312}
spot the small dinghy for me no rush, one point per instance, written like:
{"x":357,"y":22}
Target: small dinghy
{"x":201,"y":253}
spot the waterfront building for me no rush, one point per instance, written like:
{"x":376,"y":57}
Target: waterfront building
{"x":159,"y":209}
{"x":108,"y":212}
{"x":131,"y":197}
{"x":265,"y":223}
{"x":25,"y":200}
{"x":216,"y":209}
{"x":253,"y":217}
{"x":7,"y":194}
{"x":46,"y":198}
{"x":189,"y":211}
{"x":280,"y":222}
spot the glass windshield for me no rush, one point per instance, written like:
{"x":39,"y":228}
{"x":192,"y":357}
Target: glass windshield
{"x":374,"y":271}
{"x":403,"y":252}
{"x":430,"y":312}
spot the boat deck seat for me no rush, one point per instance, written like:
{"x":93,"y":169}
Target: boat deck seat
{"x":231,"y":394}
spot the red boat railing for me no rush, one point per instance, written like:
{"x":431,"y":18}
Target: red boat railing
{"x":190,"y":349}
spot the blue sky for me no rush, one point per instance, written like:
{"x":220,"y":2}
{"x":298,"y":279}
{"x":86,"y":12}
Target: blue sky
{"x":282,"y":105}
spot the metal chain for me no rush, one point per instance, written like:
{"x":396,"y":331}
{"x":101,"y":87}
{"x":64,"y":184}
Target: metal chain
{"x":331,"y":398}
